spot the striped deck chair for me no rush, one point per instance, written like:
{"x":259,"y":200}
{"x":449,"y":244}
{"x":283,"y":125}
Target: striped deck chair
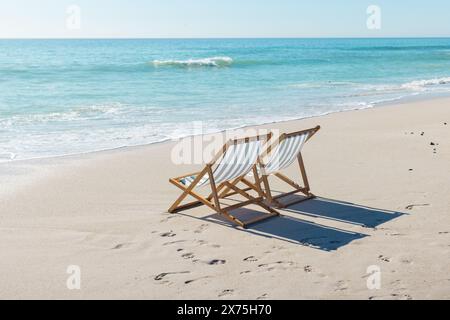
{"x":278,"y":156}
{"x":223,"y":174}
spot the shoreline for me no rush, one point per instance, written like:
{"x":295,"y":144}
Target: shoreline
{"x":395,"y":102}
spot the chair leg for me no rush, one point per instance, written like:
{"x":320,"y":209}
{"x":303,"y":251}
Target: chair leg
{"x":256,"y":201}
{"x":201,"y":201}
{"x":233,"y":219}
{"x":285,"y":179}
{"x":271,"y":200}
{"x":274,"y":201}
{"x":187,"y":206}
{"x":214,"y":189}
{"x":188,"y":191}
{"x":219,"y":188}
{"x":267,"y":188}
{"x":173,"y":208}
{"x":257,"y":182}
{"x":301,"y":163}
{"x":300,"y":200}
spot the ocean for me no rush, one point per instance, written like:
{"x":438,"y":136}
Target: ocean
{"x":60,"y":97}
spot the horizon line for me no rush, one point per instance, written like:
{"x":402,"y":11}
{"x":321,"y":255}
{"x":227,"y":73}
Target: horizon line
{"x":221,"y":38}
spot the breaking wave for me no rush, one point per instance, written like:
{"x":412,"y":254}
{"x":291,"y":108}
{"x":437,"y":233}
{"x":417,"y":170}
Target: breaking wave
{"x":426,"y":83}
{"x":206,"y":62}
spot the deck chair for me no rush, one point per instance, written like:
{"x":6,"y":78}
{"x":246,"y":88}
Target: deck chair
{"x":278,"y":156}
{"x":223,"y":174}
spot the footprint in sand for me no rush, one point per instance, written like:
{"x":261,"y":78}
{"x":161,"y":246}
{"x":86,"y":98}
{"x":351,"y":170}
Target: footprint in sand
{"x":226,"y":292}
{"x":403,"y":296}
{"x":169,"y":218}
{"x":188,"y":256}
{"x":395,"y":234}
{"x":121,"y":246}
{"x":216,"y":262}
{"x":202,"y":228}
{"x":412,"y":206}
{"x":168,"y":234}
{"x":198,"y":279}
{"x":406,"y":261}
{"x":204,"y":243}
{"x":173,"y":242}
{"x":272,"y":266}
{"x":384,"y":259}
{"x":341,"y":285}
{"x":251,"y":259}
{"x":308,"y":269}
{"x":161,"y":276}
{"x":394,"y":296}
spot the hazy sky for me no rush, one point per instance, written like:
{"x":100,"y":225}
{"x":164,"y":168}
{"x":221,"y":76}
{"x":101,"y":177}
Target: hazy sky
{"x":221,"y":18}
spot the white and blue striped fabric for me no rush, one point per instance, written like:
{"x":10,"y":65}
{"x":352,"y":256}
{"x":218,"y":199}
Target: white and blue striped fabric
{"x":285,"y":153}
{"x":237,"y":161}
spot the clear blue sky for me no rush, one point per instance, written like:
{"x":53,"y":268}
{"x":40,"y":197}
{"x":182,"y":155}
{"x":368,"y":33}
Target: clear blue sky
{"x":222,"y":18}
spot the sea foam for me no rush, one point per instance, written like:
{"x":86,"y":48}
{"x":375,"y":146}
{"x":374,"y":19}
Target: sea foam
{"x":426,"y":83}
{"x":206,"y":62}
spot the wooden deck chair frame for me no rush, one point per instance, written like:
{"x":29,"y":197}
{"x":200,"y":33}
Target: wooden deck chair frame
{"x":305,"y":189}
{"x":224,"y":190}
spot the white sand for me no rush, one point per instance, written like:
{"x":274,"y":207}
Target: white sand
{"x":105,"y":212}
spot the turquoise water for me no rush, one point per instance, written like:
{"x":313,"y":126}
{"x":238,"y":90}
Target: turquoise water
{"x":62,"y":97}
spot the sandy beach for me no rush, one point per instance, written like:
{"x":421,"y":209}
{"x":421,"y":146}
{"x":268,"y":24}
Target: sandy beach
{"x":382,"y":177}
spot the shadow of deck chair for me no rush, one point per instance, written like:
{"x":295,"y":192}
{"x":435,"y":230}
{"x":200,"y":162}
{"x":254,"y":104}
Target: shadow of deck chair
{"x":223,"y":174}
{"x":279,"y":155}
